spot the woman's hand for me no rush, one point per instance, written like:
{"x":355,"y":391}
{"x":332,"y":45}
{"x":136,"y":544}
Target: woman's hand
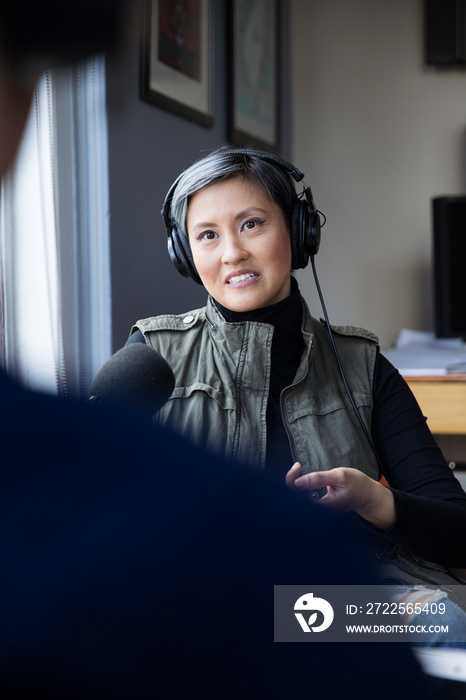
{"x":349,"y":489}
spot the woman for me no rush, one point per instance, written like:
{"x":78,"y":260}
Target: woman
{"x":257,"y":378}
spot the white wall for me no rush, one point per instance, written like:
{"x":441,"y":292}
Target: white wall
{"x":378,"y":134}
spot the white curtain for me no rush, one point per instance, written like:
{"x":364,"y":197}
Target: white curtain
{"x":55,"y":267}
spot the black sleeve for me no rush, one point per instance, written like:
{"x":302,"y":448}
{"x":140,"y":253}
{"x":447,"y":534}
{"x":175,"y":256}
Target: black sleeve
{"x":430,"y":502}
{"x":136,"y":337}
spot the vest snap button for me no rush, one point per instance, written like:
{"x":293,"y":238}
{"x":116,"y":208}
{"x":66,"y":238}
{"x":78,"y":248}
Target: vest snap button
{"x":188,"y":319}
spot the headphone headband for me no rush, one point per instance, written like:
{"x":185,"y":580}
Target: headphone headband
{"x":271,"y":158}
{"x":305,"y":222}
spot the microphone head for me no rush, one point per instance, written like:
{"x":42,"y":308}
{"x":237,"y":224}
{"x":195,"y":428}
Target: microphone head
{"x":134,"y":377}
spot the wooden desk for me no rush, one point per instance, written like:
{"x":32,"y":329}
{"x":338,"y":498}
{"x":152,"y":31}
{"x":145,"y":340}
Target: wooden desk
{"x":443,"y":401}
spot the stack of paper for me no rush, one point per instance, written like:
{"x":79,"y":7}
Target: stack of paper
{"x":422,"y":353}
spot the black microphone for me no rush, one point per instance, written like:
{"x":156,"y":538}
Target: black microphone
{"x":135,"y":377}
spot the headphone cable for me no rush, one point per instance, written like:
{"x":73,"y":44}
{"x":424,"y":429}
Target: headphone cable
{"x":341,"y":370}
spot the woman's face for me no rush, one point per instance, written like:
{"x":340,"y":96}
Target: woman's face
{"x":240,"y":244}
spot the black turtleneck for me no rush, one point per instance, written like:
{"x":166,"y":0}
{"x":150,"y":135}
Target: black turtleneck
{"x":287,"y":347}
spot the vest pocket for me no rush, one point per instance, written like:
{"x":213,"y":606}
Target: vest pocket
{"x":202,"y":415}
{"x":224,"y":400}
{"x":327,"y":434}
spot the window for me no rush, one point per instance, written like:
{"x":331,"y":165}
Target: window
{"x":55,"y":267}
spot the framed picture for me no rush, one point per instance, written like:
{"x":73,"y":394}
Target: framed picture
{"x":177,"y":58}
{"x":254,"y":63}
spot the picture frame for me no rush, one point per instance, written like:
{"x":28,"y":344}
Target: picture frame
{"x":177,"y":58}
{"x":254,"y":73}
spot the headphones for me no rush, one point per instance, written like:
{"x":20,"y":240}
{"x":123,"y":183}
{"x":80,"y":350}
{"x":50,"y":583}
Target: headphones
{"x":305,"y":221}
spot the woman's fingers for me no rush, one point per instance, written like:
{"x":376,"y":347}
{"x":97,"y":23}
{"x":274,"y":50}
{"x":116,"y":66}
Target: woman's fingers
{"x":346,"y":488}
{"x":313,"y":480}
{"x":292,"y":474}
{"x":349,"y":489}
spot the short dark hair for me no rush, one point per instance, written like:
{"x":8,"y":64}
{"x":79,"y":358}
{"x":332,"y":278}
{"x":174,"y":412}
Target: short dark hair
{"x":226,"y":164}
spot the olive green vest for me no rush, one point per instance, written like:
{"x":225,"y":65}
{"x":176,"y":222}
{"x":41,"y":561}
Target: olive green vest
{"x":222,"y":373}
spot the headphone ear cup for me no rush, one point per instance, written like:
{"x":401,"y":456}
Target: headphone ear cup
{"x":305,"y":234}
{"x":297,"y":261}
{"x":299,"y":224}
{"x":181,"y":256}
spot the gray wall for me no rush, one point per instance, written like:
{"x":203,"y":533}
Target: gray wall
{"x":148,"y":148}
{"x":379,"y":134}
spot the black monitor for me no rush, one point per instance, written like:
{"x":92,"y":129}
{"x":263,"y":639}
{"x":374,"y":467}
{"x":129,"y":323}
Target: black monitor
{"x":449,"y":266}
